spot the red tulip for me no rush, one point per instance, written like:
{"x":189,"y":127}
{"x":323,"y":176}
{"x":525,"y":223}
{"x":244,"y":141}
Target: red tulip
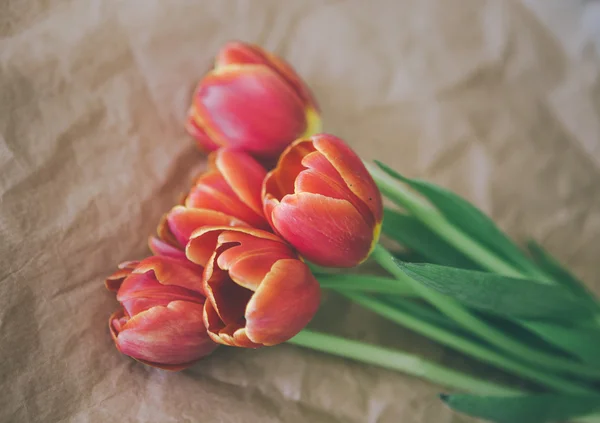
{"x":228,"y":194}
{"x":258,"y":292}
{"x":322,"y":200}
{"x":253,"y":101}
{"x":161,"y":322}
{"x":231,"y":186}
{"x":176,"y":227}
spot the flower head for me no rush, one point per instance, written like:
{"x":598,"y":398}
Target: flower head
{"x":322,"y":200}
{"x":161,"y":319}
{"x":227,"y":194}
{"x":252,"y":101}
{"x":258,"y":292}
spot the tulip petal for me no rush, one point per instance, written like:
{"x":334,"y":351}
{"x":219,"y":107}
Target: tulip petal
{"x":171,"y":335}
{"x":269,"y":204}
{"x":281,"y":180}
{"x":333,"y":233}
{"x":233,"y":335}
{"x":139,"y":292}
{"x":243,"y":234}
{"x":203,"y":141}
{"x":251,"y":259}
{"x":243,"y":174}
{"x":284,"y":303}
{"x":321,"y":177}
{"x":273,"y":113}
{"x":228,"y":298}
{"x":114,"y":281}
{"x":161,"y":248}
{"x":235,"y":52}
{"x":211,"y":191}
{"x":183,"y":221}
{"x":249,"y":268}
{"x":173,"y":271}
{"x":116,"y":321}
{"x":352,"y":170}
{"x":201,"y":246}
{"x":164,"y":232}
{"x":204,"y":240}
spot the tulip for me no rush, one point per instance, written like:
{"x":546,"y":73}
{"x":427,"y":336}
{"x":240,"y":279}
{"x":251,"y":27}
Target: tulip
{"x":322,"y":200}
{"x":232,"y":186}
{"x":258,"y":292}
{"x":228,"y":194}
{"x":175,"y":228}
{"x":252,"y":101}
{"x":161,"y":320}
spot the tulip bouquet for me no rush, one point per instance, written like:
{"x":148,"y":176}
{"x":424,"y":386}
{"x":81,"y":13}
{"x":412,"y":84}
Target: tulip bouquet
{"x":284,"y":211}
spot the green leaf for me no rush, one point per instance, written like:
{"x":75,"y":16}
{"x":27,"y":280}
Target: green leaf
{"x":467,"y":218}
{"x":558,"y":272}
{"x":535,"y":408}
{"x":425,"y":313}
{"x":410,"y":232}
{"x":581,"y":342}
{"x":517,"y":330}
{"x":501,"y":295}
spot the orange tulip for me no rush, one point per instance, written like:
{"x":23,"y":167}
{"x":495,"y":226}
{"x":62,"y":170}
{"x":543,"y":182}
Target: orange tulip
{"x":176,"y":227}
{"x":161,"y":320}
{"x":258,"y":292}
{"x":231,"y":186}
{"x":322,"y":200}
{"x":228,"y":194}
{"x":252,"y":101}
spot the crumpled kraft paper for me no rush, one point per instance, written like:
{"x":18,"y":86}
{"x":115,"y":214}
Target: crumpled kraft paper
{"x":497,"y":100}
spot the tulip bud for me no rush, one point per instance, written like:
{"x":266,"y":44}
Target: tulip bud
{"x":321,"y":199}
{"x":258,"y":292}
{"x":161,"y":321}
{"x":252,"y":101}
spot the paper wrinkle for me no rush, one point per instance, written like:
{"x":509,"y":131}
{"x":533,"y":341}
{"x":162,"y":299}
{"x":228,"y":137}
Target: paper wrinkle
{"x":498,"y":101}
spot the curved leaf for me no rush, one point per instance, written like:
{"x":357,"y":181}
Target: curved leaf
{"x":501,"y":295}
{"x":536,"y":408}
{"x":467,"y":218}
{"x":410,"y":232}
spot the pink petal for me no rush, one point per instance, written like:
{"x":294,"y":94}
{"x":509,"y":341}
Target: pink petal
{"x":139,"y":292}
{"x":250,"y":108}
{"x":227,"y":298}
{"x":235,"y":52}
{"x":243,"y":174}
{"x":166,"y":336}
{"x":352,"y":171}
{"x":161,"y":248}
{"x":183,"y":221}
{"x":321,"y":177}
{"x":326,"y":231}
{"x":203,"y":141}
{"x":173,"y":271}
{"x":284,"y":303}
{"x":211,"y":191}
{"x":114,"y":281}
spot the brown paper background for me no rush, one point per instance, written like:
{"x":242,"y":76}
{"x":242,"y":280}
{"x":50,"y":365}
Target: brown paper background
{"x":498,"y":100}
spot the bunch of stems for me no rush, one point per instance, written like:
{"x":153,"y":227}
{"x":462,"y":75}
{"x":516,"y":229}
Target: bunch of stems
{"x":444,"y":320}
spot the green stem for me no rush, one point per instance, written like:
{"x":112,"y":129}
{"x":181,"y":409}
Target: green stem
{"x":465,"y":318}
{"x":400,"y":361}
{"x":402,"y":196}
{"x":365,"y":283}
{"x":460,"y":343}
{"x":408,"y":364}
